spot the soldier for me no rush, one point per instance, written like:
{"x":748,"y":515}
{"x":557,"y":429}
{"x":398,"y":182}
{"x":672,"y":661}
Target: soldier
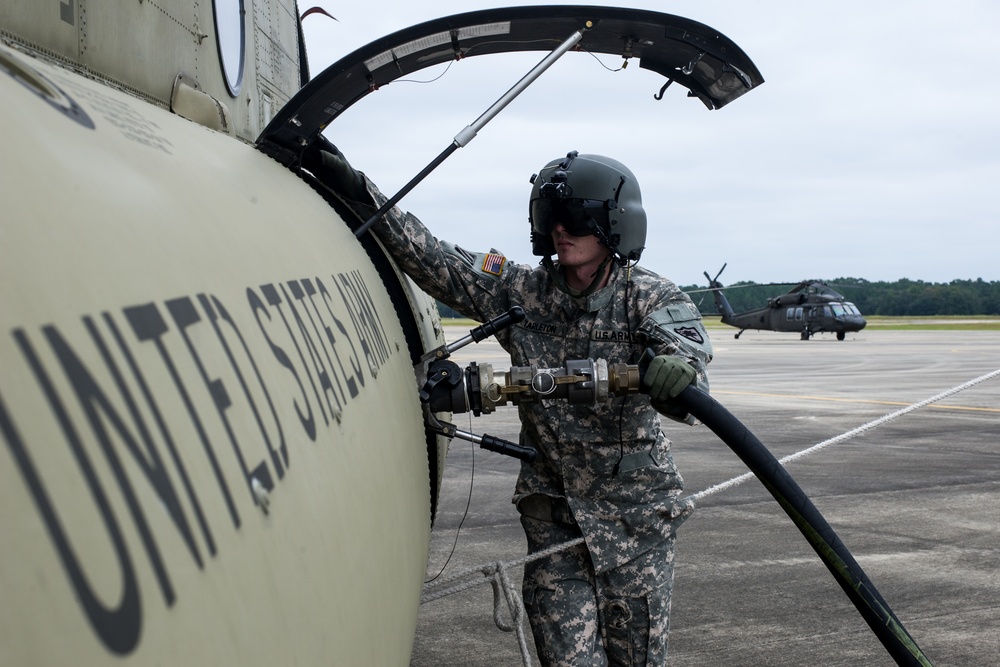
{"x":603,"y":471}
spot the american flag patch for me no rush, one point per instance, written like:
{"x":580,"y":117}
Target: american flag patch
{"x":493,"y":263}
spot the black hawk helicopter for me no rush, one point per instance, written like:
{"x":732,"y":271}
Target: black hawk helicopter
{"x":810,"y":307}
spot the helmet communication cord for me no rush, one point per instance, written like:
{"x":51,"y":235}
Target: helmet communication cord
{"x":621,"y":408}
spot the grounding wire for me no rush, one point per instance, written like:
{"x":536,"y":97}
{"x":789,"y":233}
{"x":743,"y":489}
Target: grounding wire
{"x":465,"y":515}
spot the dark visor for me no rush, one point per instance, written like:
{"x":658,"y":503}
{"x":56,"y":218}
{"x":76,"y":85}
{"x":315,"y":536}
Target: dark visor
{"x":579,"y":217}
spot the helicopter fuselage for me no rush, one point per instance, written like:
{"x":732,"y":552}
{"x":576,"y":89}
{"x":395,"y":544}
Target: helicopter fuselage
{"x":809,"y":308}
{"x":198,"y":363}
{"x":837,"y":317}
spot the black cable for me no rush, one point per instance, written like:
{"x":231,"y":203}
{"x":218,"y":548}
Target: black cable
{"x":465,"y":515}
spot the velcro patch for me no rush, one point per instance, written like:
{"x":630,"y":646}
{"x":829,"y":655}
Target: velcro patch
{"x":493,"y":263}
{"x":691,"y":333}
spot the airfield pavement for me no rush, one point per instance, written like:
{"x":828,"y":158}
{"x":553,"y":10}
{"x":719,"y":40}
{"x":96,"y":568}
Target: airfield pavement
{"x":916,"y":501}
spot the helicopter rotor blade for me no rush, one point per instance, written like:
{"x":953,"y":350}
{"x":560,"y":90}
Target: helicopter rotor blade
{"x":732,"y":287}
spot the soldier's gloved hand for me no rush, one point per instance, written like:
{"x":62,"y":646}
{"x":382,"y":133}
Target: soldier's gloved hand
{"x":330,"y":166}
{"x":666,"y":376}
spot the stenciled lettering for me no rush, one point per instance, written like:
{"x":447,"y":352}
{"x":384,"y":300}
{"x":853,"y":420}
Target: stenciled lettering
{"x":109,"y":373}
{"x":306,"y":418}
{"x":328,"y":341}
{"x":216,"y":311}
{"x":371,"y":316}
{"x":149,"y":325}
{"x":165,"y":434}
{"x":185,"y":316}
{"x":96,"y":404}
{"x":314,"y":344}
{"x":371,"y":336}
{"x":118,"y":627}
{"x":355,"y":376}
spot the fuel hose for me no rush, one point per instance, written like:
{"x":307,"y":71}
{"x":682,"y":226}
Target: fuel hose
{"x":809,"y":521}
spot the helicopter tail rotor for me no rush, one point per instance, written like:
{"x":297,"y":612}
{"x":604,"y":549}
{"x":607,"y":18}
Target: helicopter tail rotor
{"x":720,"y":299}
{"x":713,"y":283}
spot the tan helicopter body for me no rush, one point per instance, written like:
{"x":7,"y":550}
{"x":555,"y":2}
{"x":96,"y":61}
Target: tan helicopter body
{"x":213,"y":447}
{"x":198,"y":361}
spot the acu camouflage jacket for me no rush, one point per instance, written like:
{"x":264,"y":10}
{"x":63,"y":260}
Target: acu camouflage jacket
{"x":611,"y":463}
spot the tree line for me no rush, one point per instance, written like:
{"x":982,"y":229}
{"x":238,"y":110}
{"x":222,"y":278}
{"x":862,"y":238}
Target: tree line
{"x":902,"y":297}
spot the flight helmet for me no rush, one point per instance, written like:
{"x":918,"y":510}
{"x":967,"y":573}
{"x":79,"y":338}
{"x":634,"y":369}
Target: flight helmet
{"x":588,"y":194}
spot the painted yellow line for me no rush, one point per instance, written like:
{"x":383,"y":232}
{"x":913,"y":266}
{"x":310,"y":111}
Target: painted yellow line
{"x":852,"y":400}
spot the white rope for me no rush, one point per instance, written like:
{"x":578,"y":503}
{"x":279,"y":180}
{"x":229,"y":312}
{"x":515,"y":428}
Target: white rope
{"x":515,"y":606}
{"x":496,"y":573}
{"x":488,"y":571}
{"x":885,"y":419}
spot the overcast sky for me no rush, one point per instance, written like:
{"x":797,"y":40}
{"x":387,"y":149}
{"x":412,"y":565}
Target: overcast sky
{"x":871,"y":151}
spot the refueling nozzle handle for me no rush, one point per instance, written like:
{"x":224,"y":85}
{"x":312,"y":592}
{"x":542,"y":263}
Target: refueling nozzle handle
{"x":485,"y":330}
{"x":499,"y":323}
{"x":508,"y":448}
{"x":498,"y":445}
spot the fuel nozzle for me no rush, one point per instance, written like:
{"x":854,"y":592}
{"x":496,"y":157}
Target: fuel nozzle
{"x":444,"y":387}
{"x":579,"y":381}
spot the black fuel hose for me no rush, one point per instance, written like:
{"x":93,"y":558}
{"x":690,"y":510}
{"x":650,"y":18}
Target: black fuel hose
{"x":809,"y":521}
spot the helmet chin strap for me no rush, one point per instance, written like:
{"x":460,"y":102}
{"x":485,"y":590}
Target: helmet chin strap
{"x":559,"y":278}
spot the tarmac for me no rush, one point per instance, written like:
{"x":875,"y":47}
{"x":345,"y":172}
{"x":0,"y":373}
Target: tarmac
{"x":916,"y":500}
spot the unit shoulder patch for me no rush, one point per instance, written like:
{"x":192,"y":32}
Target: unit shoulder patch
{"x":691,"y":333}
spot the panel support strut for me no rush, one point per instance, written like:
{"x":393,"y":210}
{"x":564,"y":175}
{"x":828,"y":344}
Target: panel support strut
{"x":470,"y":131}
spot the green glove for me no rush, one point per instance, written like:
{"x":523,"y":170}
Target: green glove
{"x":330,"y":166}
{"x":666,"y":376}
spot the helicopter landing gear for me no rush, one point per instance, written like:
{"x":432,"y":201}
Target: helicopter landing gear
{"x":806,"y":334}
{"x":841,"y":335}
{"x":737,"y":336}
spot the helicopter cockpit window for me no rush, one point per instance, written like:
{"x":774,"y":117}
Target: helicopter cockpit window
{"x":231,"y":35}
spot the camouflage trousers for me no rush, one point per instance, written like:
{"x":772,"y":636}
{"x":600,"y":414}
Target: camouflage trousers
{"x":620,"y":617}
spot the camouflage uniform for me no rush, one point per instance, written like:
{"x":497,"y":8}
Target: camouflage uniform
{"x":603,"y":471}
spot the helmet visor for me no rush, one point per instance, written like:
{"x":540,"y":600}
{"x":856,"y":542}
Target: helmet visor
{"x":579,"y":217}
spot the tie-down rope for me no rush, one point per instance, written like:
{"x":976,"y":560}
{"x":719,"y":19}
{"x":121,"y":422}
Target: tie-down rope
{"x":497,"y":573}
